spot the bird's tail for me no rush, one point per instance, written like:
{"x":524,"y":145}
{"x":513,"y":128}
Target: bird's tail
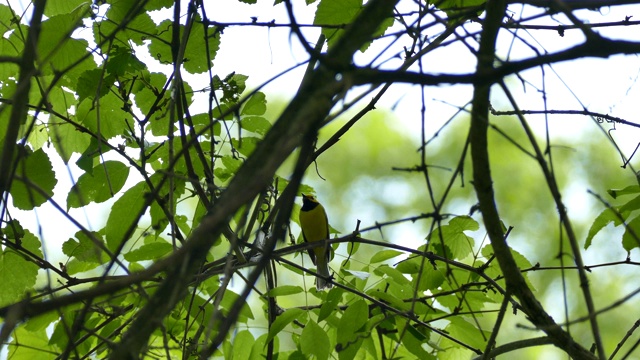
{"x":323,"y":270}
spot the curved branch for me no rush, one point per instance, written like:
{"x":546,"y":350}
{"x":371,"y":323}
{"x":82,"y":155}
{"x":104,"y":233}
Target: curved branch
{"x":483,"y":184}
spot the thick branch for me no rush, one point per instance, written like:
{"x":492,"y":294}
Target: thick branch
{"x":483,"y":185}
{"x":602,"y":48}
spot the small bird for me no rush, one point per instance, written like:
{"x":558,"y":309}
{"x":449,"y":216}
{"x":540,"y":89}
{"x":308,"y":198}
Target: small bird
{"x":315,"y":227}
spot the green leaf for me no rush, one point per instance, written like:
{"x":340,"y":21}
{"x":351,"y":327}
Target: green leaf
{"x":197,"y":60}
{"x":138,"y":29}
{"x":631,"y":205}
{"x":39,"y":136}
{"x":93,"y":84}
{"x":153,"y":251}
{"x":67,"y":139}
{"x":384,"y":255}
{"x":354,"y":318}
{"x":314,"y":341}
{"x":282,"y":321}
{"x":122,"y":61}
{"x":29,"y":345}
{"x":393,"y":275}
{"x":413,"y":340}
{"x":242,"y":345}
{"x":202,"y":122}
{"x":57,"y":7}
{"x":256,"y":105}
{"x":159,"y":220}
{"x":34,"y":170}
{"x":108,"y":119}
{"x":246,"y":146}
{"x":100,"y":185}
{"x":122,"y":214}
{"x":338,"y":13}
{"x":146,"y":97}
{"x":606,"y":217}
{"x":632,"y":189}
{"x":255,"y":124}
{"x":85,"y":248}
{"x":330,"y":303}
{"x":430,"y":279}
{"x":227,"y":302}
{"x":631,"y":236}
{"x":17,"y":273}
{"x":454,"y":238}
{"x":389,"y":298}
{"x":467,"y":333}
{"x":285,"y":290}
{"x":58,"y":51}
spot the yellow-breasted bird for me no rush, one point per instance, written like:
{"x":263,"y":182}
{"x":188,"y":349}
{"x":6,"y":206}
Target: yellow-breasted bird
{"x":315,"y":227}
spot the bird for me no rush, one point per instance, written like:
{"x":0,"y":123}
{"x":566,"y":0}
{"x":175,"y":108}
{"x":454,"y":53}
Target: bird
{"x":315,"y":227}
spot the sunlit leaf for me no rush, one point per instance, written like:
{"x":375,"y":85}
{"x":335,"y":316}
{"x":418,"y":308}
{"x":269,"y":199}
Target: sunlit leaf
{"x":314,"y":341}
{"x":36,"y":180}
{"x":100,"y":185}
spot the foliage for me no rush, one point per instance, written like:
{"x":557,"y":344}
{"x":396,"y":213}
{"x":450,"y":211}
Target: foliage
{"x":436,"y":252}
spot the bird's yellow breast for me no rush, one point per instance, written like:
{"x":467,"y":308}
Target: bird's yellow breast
{"x":314,"y":224}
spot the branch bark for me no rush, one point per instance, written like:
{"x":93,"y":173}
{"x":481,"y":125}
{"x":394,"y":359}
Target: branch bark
{"x":483,"y":185}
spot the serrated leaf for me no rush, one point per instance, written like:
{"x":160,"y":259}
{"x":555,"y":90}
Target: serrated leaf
{"x":57,"y":7}
{"x":255,"y":105}
{"x":153,"y":251}
{"x":17,"y":273}
{"x":632,"y":189}
{"x":353,"y":318}
{"x":631,"y":236}
{"x":464,"y":223}
{"x":282,"y":321}
{"x":243,"y":344}
{"x":285,"y":290}
{"x":122,"y":61}
{"x":409,"y":266}
{"x":430,"y":278}
{"x":314,"y":341}
{"x":395,"y":275}
{"x":338,"y":13}
{"x":29,"y":345}
{"x":104,"y":181}
{"x":246,"y":146}
{"x":34,"y":169}
{"x":227,"y":302}
{"x":631,"y":205}
{"x":255,"y":124}
{"x":93,"y":84}
{"x":454,"y":238}
{"x":86,"y":248}
{"x":67,"y":139}
{"x":606,"y":217}
{"x":197,"y":60}
{"x":120,"y":219}
{"x":384,"y":255}
{"x":109,"y":119}
{"x":413,"y":340}
{"x":467,"y":333}
{"x":330,"y":303}
{"x":203,"y":125}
